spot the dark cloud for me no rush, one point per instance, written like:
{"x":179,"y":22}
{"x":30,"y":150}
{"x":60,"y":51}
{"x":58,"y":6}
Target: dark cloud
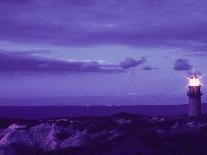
{"x":182,"y":65}
{"x":36,"y":61}
{"x":15,"y":2}
{"x":92,"y":22}
{"x":25,"y":52}
{"x":131,"y":62}
{"x":148,"y":68}
{"x":19,"y":61}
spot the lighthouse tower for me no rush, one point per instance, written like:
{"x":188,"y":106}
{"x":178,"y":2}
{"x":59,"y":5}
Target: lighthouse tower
{"x":194,"y":94}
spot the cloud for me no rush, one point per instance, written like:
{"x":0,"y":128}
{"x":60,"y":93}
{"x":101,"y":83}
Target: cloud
{"x":148,"y":68}
{"x":38,"y":61}
{"x":131,"y":62}
{"x":19,"y":61}
{"x":182,"y":65}
{"x":169,"y":23}
{"x":25,"y":52}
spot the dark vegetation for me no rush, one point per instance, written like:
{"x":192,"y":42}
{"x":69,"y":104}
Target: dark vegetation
{"x":138,"y":135}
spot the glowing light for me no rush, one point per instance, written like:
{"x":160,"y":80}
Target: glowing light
{"x":194,"y":81}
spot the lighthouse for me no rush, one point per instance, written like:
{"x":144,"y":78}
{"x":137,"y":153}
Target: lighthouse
{"x":194,"y":94}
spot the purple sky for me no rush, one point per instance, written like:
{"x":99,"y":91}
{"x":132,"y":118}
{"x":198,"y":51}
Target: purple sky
{"x":93,"y":47}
